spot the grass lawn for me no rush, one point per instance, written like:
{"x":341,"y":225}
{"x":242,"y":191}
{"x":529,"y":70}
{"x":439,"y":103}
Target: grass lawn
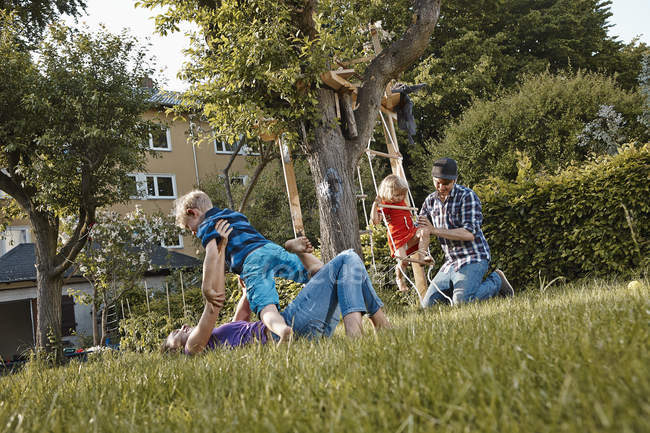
{"x":572,"y":359}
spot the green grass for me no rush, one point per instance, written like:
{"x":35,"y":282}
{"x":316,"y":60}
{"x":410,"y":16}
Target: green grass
{"x":572,"y":359}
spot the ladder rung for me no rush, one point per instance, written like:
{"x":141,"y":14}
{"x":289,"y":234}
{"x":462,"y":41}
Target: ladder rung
{"x":362,"y":196}
{"x":365,"y":232}
{"x":392,"y":206}
{"x":385,"y":155}
{"x":412,"y":260}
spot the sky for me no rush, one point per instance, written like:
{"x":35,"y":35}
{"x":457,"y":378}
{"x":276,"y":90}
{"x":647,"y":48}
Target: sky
{"x":630,"y":18}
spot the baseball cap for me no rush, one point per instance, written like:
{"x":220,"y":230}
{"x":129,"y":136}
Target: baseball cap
{"x":445,"y":168}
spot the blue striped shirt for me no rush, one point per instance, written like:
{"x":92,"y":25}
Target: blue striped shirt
{"x":243,"y":240}
{"x":462,"y":209}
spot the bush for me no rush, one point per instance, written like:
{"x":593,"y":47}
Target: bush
{"x":587,"y":220}
{"x":553,"y":119}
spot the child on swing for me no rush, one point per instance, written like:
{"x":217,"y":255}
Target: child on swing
{"x":406,"y":238}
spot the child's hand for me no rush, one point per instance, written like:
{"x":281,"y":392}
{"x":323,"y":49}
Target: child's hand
{"x":223,"y":228}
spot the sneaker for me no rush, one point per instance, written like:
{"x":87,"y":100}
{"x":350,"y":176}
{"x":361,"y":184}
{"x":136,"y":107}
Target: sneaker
{"x":506,"y":290}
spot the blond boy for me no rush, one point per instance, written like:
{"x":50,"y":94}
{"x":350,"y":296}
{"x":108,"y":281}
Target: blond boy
{"x":249,"y":254}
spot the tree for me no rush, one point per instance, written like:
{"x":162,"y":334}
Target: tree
{"x":553,"y":120}
{"x":481,"y":46}
{"x":257,"y":64}
{"x":35,"y":15}
{"x":70,"y":131}
{"x":119,"y":253}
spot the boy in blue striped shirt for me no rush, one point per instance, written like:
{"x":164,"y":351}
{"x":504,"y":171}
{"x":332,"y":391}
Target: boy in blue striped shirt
{"x":249,"y":254}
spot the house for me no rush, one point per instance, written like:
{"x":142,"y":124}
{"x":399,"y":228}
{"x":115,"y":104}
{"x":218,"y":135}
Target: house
{"x":18,"y":297}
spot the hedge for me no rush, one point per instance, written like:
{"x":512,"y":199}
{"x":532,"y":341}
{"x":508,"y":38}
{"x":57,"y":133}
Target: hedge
{"x":588,"y":220}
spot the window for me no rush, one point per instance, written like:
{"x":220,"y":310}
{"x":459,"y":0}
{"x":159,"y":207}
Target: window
{"x":152,"y":186}
{"x":174,"y":242}
{"x":13,"y":237}
{"x":223,"y":147}
{"x":236,"y":179}
{"x":161,"y":139}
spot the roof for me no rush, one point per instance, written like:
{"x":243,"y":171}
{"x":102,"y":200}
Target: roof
{"x":19,"y":263}
{"x":166,"y":97}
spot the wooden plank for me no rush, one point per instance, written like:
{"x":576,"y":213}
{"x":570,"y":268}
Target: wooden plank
{"x":337,"y":79}
{"x":385,"y":155}
{"x":388,"y":112}
{"x":292,"y":190}
{"x":392,"y":206}
{"x":391,"y":101}
{"x":420,"y":279}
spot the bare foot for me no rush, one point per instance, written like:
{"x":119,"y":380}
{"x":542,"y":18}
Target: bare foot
{"x":426,"y":257}
{"x":299,"y":245}
{"x":286,"y":336}
{"x":401,"y":285}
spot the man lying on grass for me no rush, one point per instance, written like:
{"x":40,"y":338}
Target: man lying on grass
{"x":342,"y":287}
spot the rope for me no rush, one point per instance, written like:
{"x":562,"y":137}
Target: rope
{"x":365,"y":215}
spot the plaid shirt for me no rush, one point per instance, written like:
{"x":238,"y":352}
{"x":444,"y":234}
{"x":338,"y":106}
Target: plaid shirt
{"x":462,"y":209}
{"x":243,"y":240}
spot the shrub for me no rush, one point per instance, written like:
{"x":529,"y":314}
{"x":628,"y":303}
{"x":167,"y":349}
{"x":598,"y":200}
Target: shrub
{"x":553,"y":119}
{"x":587,"y":220}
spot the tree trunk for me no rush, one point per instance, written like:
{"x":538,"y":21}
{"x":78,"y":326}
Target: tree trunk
{"x":48,"y":307}
{"x":94,"y":319}
{"x":333,"y":172}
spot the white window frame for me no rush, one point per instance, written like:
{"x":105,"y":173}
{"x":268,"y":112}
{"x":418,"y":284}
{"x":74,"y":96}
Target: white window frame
{"x":220,"y":148}
{"x":179,"y":245}
{"x":5,"y":247}
{"x":168,"y":134}
{"x":143,"y":191}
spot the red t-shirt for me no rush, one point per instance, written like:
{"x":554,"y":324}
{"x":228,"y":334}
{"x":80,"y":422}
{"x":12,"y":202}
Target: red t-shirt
{"x":400,"y":226}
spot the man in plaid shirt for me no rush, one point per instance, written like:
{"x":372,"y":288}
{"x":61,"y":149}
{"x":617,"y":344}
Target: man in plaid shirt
{"x":453,"y":213}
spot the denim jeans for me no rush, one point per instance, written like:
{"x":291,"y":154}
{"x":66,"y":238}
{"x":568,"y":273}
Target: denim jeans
{"x":341,"y":287}
{"x":260,"y":268}
{"x":468,"y":284}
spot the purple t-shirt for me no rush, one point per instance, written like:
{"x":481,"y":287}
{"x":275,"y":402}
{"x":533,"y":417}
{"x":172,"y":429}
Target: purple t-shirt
{"x":238,"y":333}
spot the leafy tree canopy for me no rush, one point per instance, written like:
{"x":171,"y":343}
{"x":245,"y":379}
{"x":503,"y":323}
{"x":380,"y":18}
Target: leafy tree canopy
{"x":552,"y":119}
{"x":70,"y":131}
{"x":253,"y":60}
{"x":481,"y":46}
{"x":35,"y":15}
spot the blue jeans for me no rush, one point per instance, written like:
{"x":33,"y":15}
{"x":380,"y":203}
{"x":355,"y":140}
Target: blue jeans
{"x":260,"y":268}
{"x":468,"y":284}
{"x":341,"y":287}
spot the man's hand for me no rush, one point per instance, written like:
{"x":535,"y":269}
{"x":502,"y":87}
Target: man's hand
{"x":426,"y":226}
{"x":213,"y":266}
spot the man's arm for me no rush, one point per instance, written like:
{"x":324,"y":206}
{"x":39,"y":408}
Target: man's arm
{"x":243,"y":309}
{"x":213,"y":287}
{"x":458,"y":234}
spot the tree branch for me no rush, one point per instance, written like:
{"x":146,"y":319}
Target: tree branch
{"x":226,"y":176}
{"x":267,"y":156}
{"x":388,"y":65}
